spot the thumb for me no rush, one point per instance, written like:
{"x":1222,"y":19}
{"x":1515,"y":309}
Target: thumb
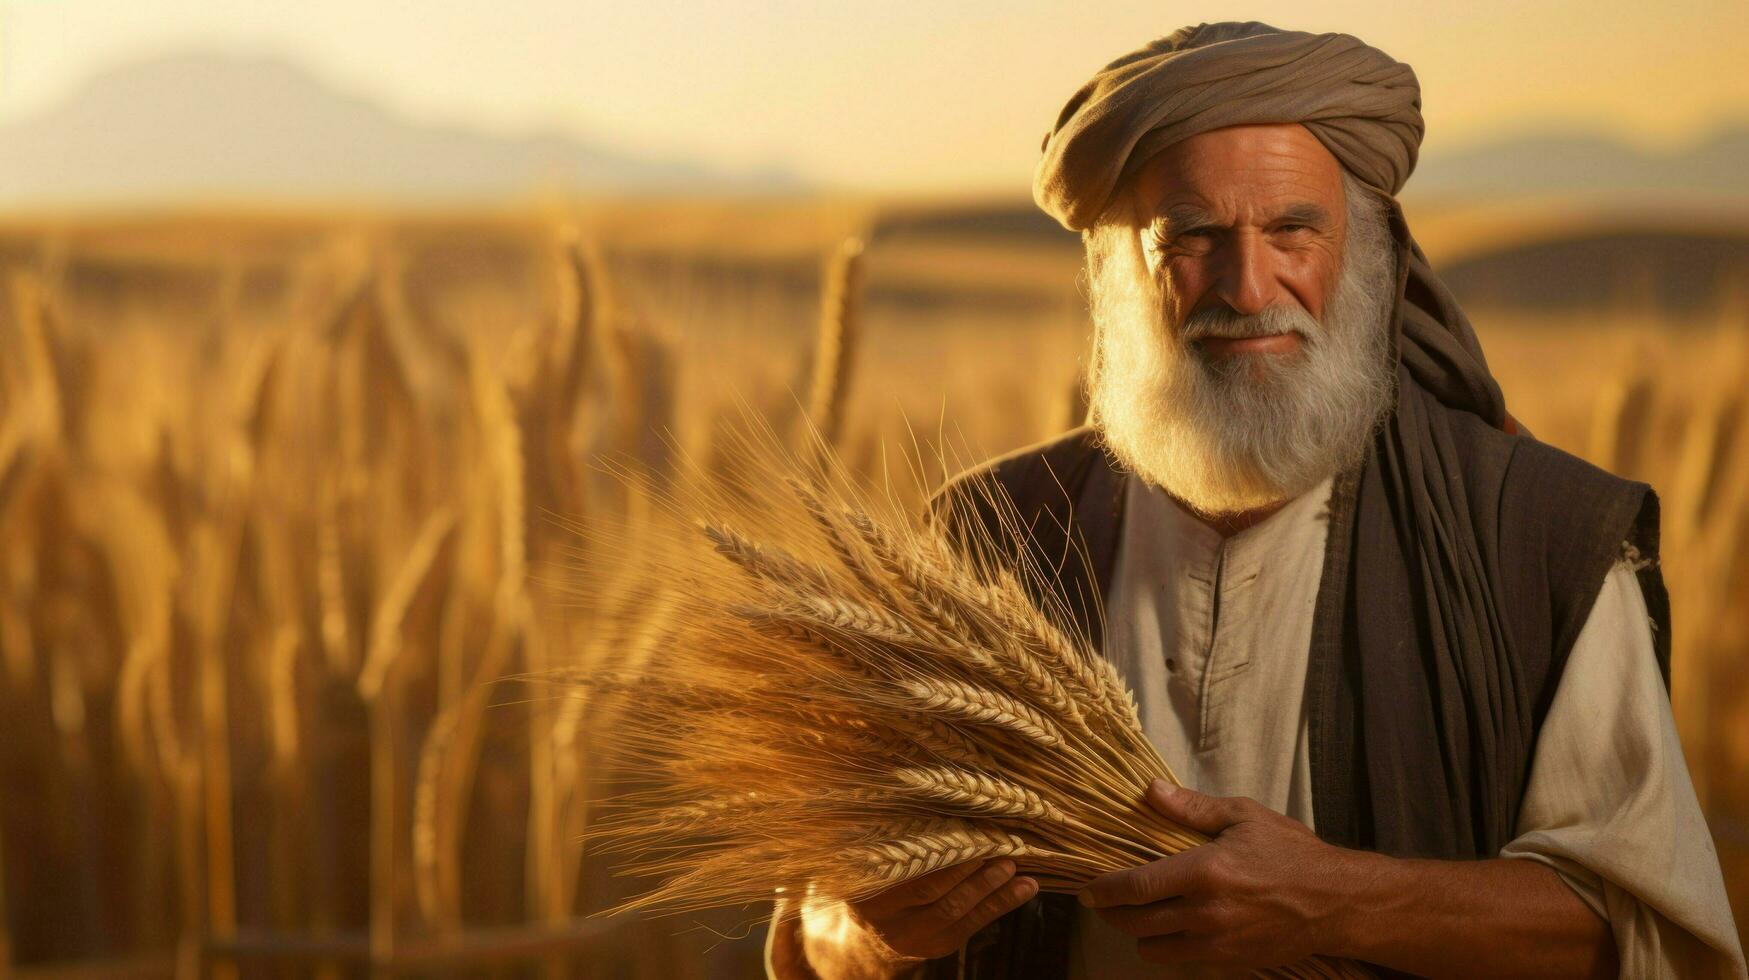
{"x":1205,"y":814}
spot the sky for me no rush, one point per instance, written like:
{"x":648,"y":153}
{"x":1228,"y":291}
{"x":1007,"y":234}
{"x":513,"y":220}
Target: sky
{"x":893,"y":95}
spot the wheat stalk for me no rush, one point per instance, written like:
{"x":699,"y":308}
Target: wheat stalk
{"x":847,"y":701}
{"x":836,"y":341}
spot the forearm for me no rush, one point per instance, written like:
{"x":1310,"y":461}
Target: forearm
{"x":1498,"y":918}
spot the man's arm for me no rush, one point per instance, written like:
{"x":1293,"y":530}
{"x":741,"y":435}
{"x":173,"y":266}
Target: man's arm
{"x":1497,"y":918}
{"x":1609,"y":824}
{"x":1610,"y":805}
{"x":1266,"y":892}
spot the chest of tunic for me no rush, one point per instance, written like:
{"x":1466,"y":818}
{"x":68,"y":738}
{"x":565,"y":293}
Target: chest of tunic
{"x":1212,"y":635}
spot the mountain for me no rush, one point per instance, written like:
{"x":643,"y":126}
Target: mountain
{"x":209,"y":126}
{"x":216,"y":126}
{"x":1585,"y":163}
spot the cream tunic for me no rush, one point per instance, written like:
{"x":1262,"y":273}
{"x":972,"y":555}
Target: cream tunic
{"x":1212,"y":634}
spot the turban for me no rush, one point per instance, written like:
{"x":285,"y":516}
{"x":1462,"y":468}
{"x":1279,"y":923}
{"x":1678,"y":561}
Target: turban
{"x":1364,"y":106}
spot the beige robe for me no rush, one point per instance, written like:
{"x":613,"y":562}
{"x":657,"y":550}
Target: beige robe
{"x":1212,"y":634}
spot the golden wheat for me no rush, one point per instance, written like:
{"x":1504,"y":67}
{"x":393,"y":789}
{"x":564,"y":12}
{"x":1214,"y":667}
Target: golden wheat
{"x":864,"y":692}
{"x":206,"y":513}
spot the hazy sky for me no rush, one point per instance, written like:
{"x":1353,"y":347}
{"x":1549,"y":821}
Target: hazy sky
{"x":895,"y":94}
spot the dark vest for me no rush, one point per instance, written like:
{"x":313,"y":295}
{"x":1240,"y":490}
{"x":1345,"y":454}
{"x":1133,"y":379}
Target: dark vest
{"x":1556,"y":525}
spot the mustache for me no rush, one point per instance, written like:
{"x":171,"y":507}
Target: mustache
{"x":1226,"y":323}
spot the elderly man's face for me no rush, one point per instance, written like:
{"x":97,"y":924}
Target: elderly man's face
{"x":1241,"y":291}
{"x":1242,"y":218}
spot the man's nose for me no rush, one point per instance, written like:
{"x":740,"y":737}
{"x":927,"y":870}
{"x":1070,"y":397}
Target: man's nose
{"x":1246,"y":276}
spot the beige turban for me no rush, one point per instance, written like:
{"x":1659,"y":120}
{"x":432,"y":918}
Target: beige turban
{"x":1361,"y":104}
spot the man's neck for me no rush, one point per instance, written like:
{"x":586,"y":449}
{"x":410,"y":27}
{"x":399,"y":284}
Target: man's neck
{"x":1227,"y":525}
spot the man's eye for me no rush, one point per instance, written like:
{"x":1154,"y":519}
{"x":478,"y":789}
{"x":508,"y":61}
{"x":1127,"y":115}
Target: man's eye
{"x":1294,"y":228}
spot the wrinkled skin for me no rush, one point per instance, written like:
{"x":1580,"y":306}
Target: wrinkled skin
{"x":1266,"y":891}
{"x":1270,"y":231}
{"x":1262,"y":898}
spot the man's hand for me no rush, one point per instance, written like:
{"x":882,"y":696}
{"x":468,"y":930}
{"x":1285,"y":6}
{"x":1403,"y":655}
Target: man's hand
{"x":1267,"y":892}
{"x":1259,"y":894}
{"x":935,"y":914}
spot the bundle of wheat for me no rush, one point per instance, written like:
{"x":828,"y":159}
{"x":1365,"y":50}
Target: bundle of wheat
{"x":850,"y":701}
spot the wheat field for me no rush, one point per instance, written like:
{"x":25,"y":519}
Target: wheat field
{"x":289,"y":507}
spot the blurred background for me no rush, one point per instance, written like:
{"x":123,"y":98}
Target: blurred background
{"x":315,"y":319}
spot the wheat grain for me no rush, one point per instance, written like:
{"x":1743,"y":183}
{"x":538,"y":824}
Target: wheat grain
{"x":978,"y":794}
{"x":910,"y":857}
{"x":773,"y":565}
{"x":964,"y":702}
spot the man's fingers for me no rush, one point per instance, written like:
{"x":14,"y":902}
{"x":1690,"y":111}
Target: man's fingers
{"x":1156,"y":881}
{"x":932,"y":887}
{"x":998,"y":903}
{"x":959,"y":902}
{"x":921,"y":890}
{"x":1205,"y":814}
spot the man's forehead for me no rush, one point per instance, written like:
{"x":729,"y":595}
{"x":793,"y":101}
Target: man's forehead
{"x":1276,"y":168}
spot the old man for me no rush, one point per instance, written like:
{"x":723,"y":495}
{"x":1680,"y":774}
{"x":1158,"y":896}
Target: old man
{"x":1414,"y":662}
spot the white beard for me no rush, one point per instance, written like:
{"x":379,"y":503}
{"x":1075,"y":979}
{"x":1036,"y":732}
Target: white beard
{"x":1259,"y":428}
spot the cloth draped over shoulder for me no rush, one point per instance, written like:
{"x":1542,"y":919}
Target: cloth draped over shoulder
{"x":1463,"y":555}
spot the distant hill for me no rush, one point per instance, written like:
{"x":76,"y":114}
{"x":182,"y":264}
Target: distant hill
{"x":1683,"y":273}
{"x":205,"y":126}
{"x":216,"y":126}
{"x":1586,"y":173}
{"x":1587,"y":164}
